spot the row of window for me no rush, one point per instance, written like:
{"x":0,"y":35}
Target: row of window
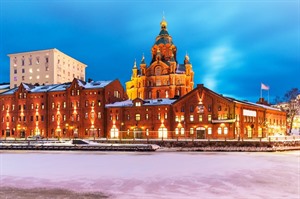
{"x":30,"y":60}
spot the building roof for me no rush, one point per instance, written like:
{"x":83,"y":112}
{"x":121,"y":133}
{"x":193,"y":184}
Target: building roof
{"x":146,"y":102}
{"x":4,"y":86}
{"x":58,"y":87}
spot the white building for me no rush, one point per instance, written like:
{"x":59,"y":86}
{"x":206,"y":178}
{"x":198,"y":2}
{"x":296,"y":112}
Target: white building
{"x":44,"y":67}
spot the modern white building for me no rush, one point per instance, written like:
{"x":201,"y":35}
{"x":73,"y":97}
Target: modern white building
{"x":44,"y":67}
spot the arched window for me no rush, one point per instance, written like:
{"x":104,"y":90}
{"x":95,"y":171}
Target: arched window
{"x":219,"y":130}
{"x":162,"y":132}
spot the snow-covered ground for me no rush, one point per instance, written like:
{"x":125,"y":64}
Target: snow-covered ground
{"x":157,"y":174}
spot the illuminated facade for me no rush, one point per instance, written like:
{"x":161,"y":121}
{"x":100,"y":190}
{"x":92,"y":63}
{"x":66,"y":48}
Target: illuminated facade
{"x":200,"y":114}
{"x":44,"y":67}
{"x":164,"y":77}
{"x":75,"y":109}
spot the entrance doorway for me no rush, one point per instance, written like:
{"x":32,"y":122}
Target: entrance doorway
{"x":200,"y":133}
{"x":137,"y":133}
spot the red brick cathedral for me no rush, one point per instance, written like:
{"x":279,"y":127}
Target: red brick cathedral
{"x":161,"y":103}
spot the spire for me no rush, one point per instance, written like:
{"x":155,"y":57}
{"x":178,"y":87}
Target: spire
{"x":134,"y":66}
{"x":187,"y":59}
{"x":163,"y":23}
{"x":143,"y":59}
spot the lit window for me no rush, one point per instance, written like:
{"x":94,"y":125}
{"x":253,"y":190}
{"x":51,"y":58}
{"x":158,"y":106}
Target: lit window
{"x":38,"y":77}
{"x":86,"y":115}
{"x":176,"y":118}
{"x":166,"y":115}
{"x":78,"y":92}
{"x":182,"y":118}
{"x":53,"y":105}
{"x":191,"y":131}
{"x":209,"y":131}
{"x":225,"y":130}
{"x":176,"y":131}
{"x":99,"y":115}
{"x":209,"y":117}
{"x":99,"y":103}
{"x":147,"y":116}
{"x":219,"y":130}
{"x":47,"y":76}
{"x":182,"y":131}
{"x":137,"y":117}
{"x":200,"y":118}
{"x":191,"y":118}
{"x":30,"y":77}
{"x":158,"y":116}
{"x":138,"y":104}
{"x":64,"y":117}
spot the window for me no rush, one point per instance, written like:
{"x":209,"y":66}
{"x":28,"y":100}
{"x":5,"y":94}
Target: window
{"x":37,"y":60}
{"x":158,"y":116}
{"x":225,"y":130}
{"x":209,"y":118}
{"x":30,"y":60}
{"x":114,"y":133}
{"x":46,"y":59}
{"x":86,"y":115}
{"x":92,"y":104}
{"x":191,"y":108}
{"x":15,"y":71}
{"x":200,"y":118}
{"x":23,"y":61}
{"x":78,"y":92}
{"x":52,"y":118}
{"x":191,"y":118}
{"x":64,"y":104}
{"x":182,"y":131}
{"x":209,"y":108}
{"x":92,"y":115}
{"x":182,"y":109}
{"x":147,"y":116}
{"x":36,"y":118}
{"x":99,"y":115}
{"x":209,"y":131}
{"x":128,"y":117}
{"x":219,"y":130}
{"x":31,"y":105}
{"x":86,"y":103}
{"x":166,"y":115}
{"x":176,"y":118}
{"x":138,"y":104}
{"x":191,"y":131}
{"x":99,"y":103}
{"x":182,"y":118}
{"x":43,"y":106}
{"x":23,"y":70}
{"x":137,"y":117}
{"x":219,"y":108}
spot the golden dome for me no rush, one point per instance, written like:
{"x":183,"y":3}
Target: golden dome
{"x":163,"y":24}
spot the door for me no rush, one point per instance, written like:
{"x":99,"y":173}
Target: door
{"x":200,"y":133}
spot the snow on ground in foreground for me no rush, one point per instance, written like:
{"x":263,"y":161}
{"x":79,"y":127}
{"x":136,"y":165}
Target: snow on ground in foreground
{"x":157,"y":174}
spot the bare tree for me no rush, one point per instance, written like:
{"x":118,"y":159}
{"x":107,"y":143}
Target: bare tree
{"x":292,"y":101}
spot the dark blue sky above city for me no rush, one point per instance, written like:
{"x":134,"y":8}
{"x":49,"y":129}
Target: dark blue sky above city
{"x":234,"y":46}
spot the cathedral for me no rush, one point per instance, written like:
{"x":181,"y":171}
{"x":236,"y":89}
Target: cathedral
{"x":164,"y":77}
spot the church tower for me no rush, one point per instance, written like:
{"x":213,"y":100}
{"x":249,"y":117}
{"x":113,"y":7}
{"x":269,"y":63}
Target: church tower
{"x":164,"y":77}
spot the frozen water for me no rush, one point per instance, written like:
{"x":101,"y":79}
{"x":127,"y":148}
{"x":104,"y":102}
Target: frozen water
{"x":158,"y":174}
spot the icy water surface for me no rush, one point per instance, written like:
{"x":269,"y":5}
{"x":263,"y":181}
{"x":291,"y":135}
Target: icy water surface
{"x":149,"y":175}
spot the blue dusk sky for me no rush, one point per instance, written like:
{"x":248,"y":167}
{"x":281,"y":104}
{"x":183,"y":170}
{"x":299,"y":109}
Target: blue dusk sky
{"x":233,"y":45}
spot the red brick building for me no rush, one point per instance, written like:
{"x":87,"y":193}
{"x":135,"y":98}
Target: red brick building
{"x":200,"y":114}
{"x":75,"y":109}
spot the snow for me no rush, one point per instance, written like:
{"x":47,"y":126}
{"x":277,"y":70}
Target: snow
{"x":157,"y":174}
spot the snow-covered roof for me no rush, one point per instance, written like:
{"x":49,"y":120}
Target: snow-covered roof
{"x":253,"y":104}
{"x":95,"y":84}
{"x":146,"y":102}
{"x":60,"y":87}
{"x":10,"y":92}
{"x":4,"y":86}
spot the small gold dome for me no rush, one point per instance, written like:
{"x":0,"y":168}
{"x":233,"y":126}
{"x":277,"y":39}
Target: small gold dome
{"x":163,"y":24}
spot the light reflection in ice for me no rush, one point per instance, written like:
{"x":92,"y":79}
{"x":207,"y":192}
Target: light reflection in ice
{"x":157,"y":175}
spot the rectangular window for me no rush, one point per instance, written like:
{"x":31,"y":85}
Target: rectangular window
{"x":137,"y":117}
{"x":158,"y":116}
{"x":209,"y":118}
{"x":36,"y":118}
{"x":147,"y":116}
{"x":99,"y":115}
{"x":200,"y":118}
{"x":191,"y":118}
{"x":86,"y":115}
{"x":86,"y":103}
{"x":166,"y":115}
{"x":191,"y":108}
{"x":182,"y":118}
{"x":191,"y":131}
{"x":209,"y":108}
{"x":99,"y":103}
{"x":209,"y":131}
{"x":176,"y":118}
